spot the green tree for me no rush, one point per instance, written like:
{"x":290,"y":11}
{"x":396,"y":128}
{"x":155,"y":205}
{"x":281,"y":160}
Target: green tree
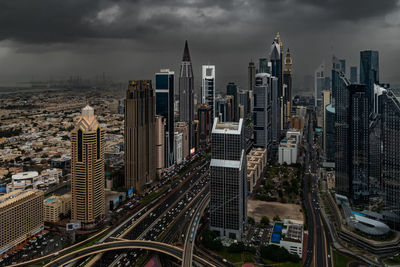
{"x":276,"y":218}
{"x":265,"y":220}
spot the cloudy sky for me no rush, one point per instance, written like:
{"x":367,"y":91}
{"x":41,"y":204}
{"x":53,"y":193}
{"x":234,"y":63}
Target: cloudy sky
{"x":133,"y":39}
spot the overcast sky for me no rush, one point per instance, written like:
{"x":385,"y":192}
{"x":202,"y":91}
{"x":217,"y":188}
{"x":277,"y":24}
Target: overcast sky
{"x":134,"y":39}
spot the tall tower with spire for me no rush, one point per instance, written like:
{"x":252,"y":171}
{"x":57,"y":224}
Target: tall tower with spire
{"x":87,"y":170}
{"x":287,"y":81}
{"x":186,"y":94}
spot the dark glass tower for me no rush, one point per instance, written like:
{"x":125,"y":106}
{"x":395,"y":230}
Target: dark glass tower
{"x":165,"y":108}
{"x":231,"y":89}
{"x":353,"y":74}
{"x":186,"y":94}
{"x":251,"y":75}
{"x":391,"y":157}
{"x":369,"y":72}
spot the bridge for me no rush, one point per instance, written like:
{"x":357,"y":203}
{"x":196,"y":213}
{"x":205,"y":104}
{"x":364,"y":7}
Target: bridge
{"x":166,"y":249}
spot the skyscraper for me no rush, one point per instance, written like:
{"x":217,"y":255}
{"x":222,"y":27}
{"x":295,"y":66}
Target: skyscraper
{"x":183,"y":128}
{"x":342,"y":65}
{"x":244,"y":100}
{"x":186,"y":94}
{"x":228,"y":189}
{"x":276,"y":64}
{"x":287,"y":94}
{"x":391,"y":157}
{"x":251,"y":74}
{"x":262,"y":65}
{"x":319,"y":84}
{"x":208,"y":86}
{"x":160,"y":143}
{"x":369,"y":72}
{"x":205,"y":124}
{"x":231,"y":89}
{"x":139,"y":135}
{"x":329,"y":133}
{"x":165,"y":107}
{"x":326,"y":100}
{"x":221,"y":109}
{"x":276,"y":71}
{"x":87,"y":170}
{"x":353,"y":74}
{"x":262,"y":112}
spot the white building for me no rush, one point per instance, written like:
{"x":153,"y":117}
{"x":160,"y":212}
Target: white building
{"x":23,"y":180}
{"x":178,"y":138}
{"x":289,"y":235}
{"x":287,"y":151}
{"x":208,"y":86}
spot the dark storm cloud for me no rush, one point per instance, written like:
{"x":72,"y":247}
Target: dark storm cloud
{"x":139,"y":37}
{"x":353,"y":9}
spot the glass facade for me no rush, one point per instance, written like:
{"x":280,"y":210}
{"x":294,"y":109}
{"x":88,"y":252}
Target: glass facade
{"x":369,"y":72}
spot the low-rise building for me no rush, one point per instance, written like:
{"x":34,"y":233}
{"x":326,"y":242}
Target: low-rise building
{"x":21,"y":216}
{"x":54,"y":206}
{"x":23,"y":181}
{"x":289,"y":235}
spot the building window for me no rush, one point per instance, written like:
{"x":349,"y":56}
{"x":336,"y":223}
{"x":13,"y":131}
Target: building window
{"x":80,"y":145}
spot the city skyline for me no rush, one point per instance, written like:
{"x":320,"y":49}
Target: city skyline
{"x":97,"y":36}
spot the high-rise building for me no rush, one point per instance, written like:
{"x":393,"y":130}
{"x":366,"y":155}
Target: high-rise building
{"x":183,"y":128}
{"x":369,"y":72}
{"x":221,"y":109}
{"x":377,"y":95}
{"x":228,"y":189}
{"x":342,"y":65}
{"x":329,"y":133}
{"x":251,"y":75}
{"x":186,"y":94}
{"x":326,"y":100}
{"x":230,"y":108}
{"x":375,"y":154}
{"x":165,"y":107}
{"x":54,"y":206}
{"x":160,"y":143}
{"x":319,"y":84}
{"x":208,"y":86}
{"x":244,"y":100}
{"x":391,"y":157}
{"x":287,"y":93}
{"x":353,"y":74}
{"x":87,"y":170}
{"x":262,"y":65}
{"x":262,"y":112}
{"x":204,"y":113}
{"x":21,"y":216}
{"x":139,"y":135}
{"x":276,"y":64}
{"x":352,"y":140}
{"x":231,"y":89}
{"x":178,"y":147}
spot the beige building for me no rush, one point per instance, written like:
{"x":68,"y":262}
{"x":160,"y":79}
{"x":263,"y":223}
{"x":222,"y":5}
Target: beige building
{"x":87,"y":170}
{"x":256,"y":163}
{"x":183,"y":127}
{"x":21,"y":216}
{"x":54,"y":206}
{"x":160,"y":143}
{"x":326,"y":100}
{"x":140,"y":123}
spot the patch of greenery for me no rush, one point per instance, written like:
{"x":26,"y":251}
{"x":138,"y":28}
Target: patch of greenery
{"x":340,"y":260}
{"x":278,"y":254}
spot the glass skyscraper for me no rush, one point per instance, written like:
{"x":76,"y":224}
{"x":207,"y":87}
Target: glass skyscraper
{"x":369,"y":72}
{"x":231,"y":89}
{"x":165,"y":107}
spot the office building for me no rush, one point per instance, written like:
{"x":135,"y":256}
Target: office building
{"x":244,"y":100}
{"x":287,"y":151}
{"x":276,"y":64}
{"x":262,"y":111}
{"x":391,"y":157}
{"x":205,"y":124}
{"x":369,"y":72}
{"x":287,"y":92}
{"x":329,"y":133}
{"x":139,"y":135}
{"x":319,"y":84}
{"x":186,"y":94}
{"x":183,"y":128}
{"x":342,"y":65}
{"x":178,"y":147}
{"x":288,"y":235}
{"x":55,"y":206}
{"x":353,"y":74}
{"x":377,"y":95}
{"x":228,"y":189}
{"x":230,"y":107}
{"x":352,"y":138}
{"x":165,"y":107}
{"x":87,"y":170}
{"x":232,"y":90}
{"x":208,"y":86}
{"x":21,"y":216}
{"x":251,"y":75}
{"x":221,"y":109}
{"x":160,"y":143}
{"x":326,"y":100}
{"x":375,"y":154}
{"x":263,"y":65}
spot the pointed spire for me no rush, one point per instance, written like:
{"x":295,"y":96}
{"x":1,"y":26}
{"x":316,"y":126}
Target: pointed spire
{"x":186,"y":55}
